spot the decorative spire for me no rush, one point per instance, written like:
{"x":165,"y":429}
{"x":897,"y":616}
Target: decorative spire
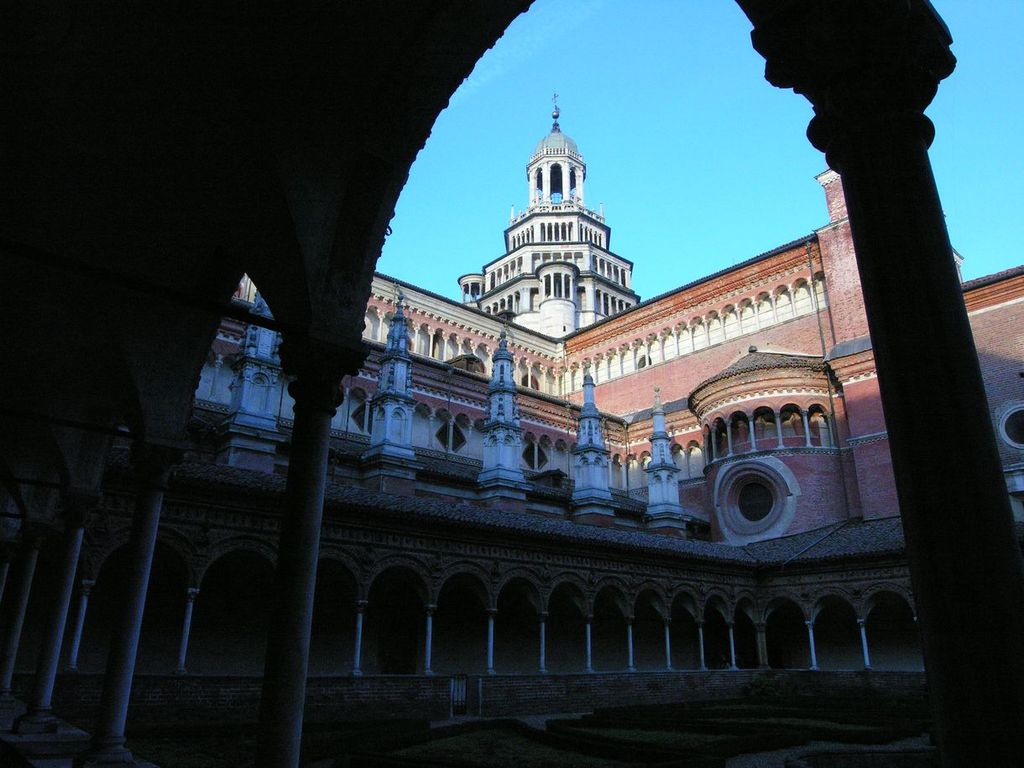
{"x":554,"y":114}
{"x":657,"y":399}
{"x":398,"y":334}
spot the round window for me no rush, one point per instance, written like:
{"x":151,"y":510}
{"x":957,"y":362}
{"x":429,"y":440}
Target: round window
{"x":755,"y":501}
{"x":1013,"y":427}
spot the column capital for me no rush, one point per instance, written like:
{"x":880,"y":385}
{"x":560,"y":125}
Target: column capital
{"x":809,"y":622}
{"x":860,"y":622}
{"x":191,"y":594}
{"x":863,"y":67}
{"x":760,"y":625}
{"x":317,"y":368}
{"x":492,"y":612}
{"x":430,"y":609}
{"x":85,"y":586}
{"x":361,"y":606}
{"x":542,"y":616}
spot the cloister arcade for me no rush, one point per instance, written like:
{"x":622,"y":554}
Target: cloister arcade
{"x":401,"y":619}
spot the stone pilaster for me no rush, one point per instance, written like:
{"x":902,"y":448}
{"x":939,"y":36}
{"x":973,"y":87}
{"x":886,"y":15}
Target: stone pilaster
{"x":249,"y":436}
{"x":591,"y":496}
{"x":664,"y":512}
{"x":390,"y":463}
{"x":502,"y":475}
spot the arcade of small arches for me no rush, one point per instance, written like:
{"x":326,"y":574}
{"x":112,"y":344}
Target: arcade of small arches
{"x":783,"y":303}
{"x":441,"y":345}
{"x":398,"y":618}
{"x":766,"y":429}
{"x":556,"y":233}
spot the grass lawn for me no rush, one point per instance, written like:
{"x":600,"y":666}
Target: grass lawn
{"x":500,"y":749}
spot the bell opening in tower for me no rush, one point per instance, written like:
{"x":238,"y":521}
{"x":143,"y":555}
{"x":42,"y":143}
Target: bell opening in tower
{"x":556,"y":184}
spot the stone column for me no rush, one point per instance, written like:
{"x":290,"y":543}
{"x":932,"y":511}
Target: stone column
{"x":629,"y":646}
{"x":428,"y":641}
{"x":732,"y":646}
{"x":700,"y":647}
{"x":728,"y":438}
{"x":39,"y":718}
{"x":778,"y":429}
{"x":5,"y":568}
{"x":753,"y":434}
{"x":807,"y":428}
{"x":589,"y":657}
{"x":762,"y":645}
{"x":316,"y":388}
{"x":869,"y":99}
{"x":490,"y":640}
{"x":357,"y":652}
{"x":546,"y":182}
{"x":810,"y":643}
{"x":864,"y":643}
{"x":153,"y":469}
{"x":668,"y":644}
{"x":84,"y":588}
{"x":186,"y":626}
{"x":16,"y":616}
{"x":542,"y":666}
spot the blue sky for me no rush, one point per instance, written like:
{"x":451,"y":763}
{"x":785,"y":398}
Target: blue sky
{"x":699,"y":162}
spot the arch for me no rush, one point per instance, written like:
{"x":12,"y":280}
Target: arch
{"x":566,"y":607}
{"x":609,"y":634}
{"x":765,"y":427}
{"x":394,"y":626}
{"x":460,"y":622}
{"x":836,"y":634}
{"x":332,"y":636}
{"x":820,"y":426}
{"x":404,"y":566}
{"x":786,"y":635}
{"x":683,"y":612}
{"x":893,"y":636}
{"x":170,"y":577}
{"x":717,"y":615}
{"x":745,"y":633}
{"x":251,"y":544}
{"x":739,"y":428}
{"x":649,"y":616}
{"x":517,"y":626}
{"x":790,"y":416}
{"x":232,"y":612}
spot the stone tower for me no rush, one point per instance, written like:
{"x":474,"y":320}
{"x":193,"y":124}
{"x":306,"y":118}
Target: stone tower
{"x":557,"y":273}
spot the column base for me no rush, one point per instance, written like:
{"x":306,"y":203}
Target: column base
{"x":357,"y":673}
{"x":120,"y":757}
{"x":36,"y":723}
{"x":57,"y":747}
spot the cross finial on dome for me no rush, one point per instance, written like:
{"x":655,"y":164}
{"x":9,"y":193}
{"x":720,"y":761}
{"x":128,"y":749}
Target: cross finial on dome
{"x":555,"y":113}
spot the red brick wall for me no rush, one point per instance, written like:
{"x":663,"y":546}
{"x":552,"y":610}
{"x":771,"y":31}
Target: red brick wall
{"x":842,"y":283}
{"x":999,"y":337}
{"x":678,"y":376}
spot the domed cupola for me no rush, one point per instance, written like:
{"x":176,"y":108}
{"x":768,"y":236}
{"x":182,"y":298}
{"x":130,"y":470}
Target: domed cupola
{"x":556,"y":142}
{"x":556,"y":169}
